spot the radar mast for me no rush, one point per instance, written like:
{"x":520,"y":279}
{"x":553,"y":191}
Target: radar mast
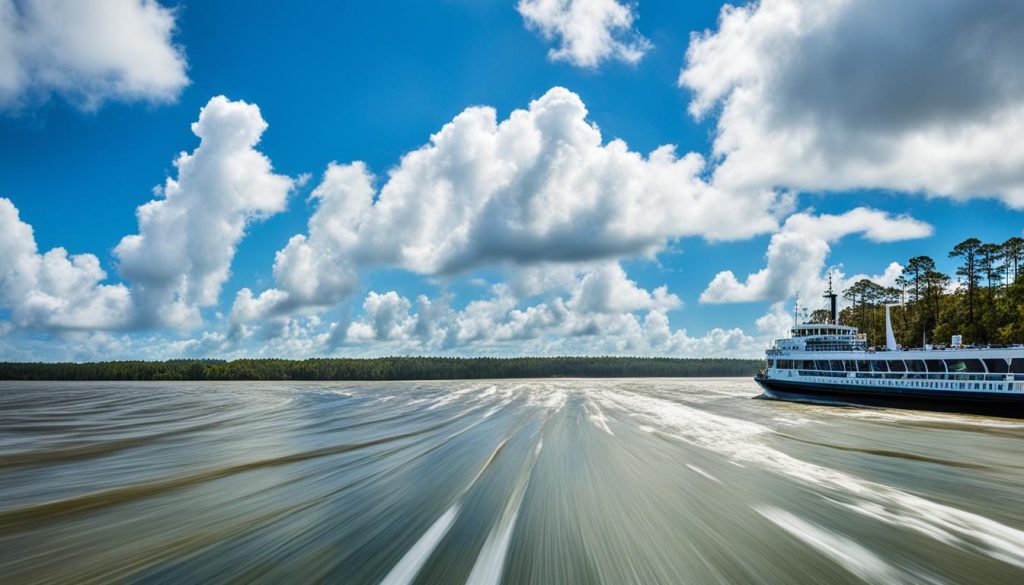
{"x":832,"y":297}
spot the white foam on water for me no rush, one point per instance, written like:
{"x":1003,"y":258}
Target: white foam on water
{"x":794,"y":422}
{"x":850,"y":555}
{"x":950,"y":525}
{"x":596,"y":416}
{"x":548,"y":397}
{"x":457,"y":394}
{"x":409,"y":566}
{"x":911,"y":416}
{"x":505,"y":398}
{"x":742,"y":441}
{"x":700,"y":471}
{"x":490,"y":563}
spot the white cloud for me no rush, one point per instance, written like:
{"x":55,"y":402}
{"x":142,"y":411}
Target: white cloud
{"x":180,"y":258}
{"x":89,"y":52}
{"x":315,"y":270}
{"x":588,"y":32}
{"x":796,"y":254}
{"x":775,"y":324}
{"x":540,"y":187}
{"x":575,"y":318}
{"x":888,"y":277}
{"x":501,"y":325}
{"x":606,"y":289}
{"x":387,"y":314}
{"x":182,"y":255}
{"x":54,"y":291}
{"x":919,"y":96}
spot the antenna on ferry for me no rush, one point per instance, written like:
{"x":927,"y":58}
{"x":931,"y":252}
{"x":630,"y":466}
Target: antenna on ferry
{"x":796,"y":310}
{"x":832,"y":297}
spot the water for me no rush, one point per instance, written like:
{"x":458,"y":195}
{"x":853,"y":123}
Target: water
{"x":519,"y":481}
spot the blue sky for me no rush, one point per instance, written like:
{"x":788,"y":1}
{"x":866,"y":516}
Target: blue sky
{"x":812,"y":137}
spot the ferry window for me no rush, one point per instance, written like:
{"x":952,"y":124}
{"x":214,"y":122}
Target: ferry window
{"x":996,"y":366}
{"x":915,"y":366}
{"x":850,"y":366}
{"x":1017,"y":366}
{"x":897,"y":366}
{"x":936,"y":366}
{"x":974,"y":366}
{"x":837,"y":366}
{"x":878,"y":366}
{"x":863,"y":366}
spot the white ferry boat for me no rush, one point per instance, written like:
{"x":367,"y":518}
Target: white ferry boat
{"x":833,"y":363}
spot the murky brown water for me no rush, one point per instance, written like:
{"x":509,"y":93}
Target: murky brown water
{"x":524,"y":481}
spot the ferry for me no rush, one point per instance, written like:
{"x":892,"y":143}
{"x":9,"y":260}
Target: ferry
{"x":832,"y":363}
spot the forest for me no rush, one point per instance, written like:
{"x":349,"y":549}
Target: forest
{"x":983,"y":300}
{"x":390,"y":368}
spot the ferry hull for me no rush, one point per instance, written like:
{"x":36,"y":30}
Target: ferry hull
{"x":990,"y":403}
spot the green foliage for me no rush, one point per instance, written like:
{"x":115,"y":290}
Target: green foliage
{"x":390,"y":368}
{"x":821,"y":316}
{"x":986,"y":306}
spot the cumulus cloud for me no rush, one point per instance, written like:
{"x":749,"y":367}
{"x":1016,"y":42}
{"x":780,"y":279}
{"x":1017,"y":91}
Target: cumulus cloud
{"x":588,"y":32}
{"x":797,"y":253}
{"x":607,"y":289}
{"x":919,"y":96}
{"x":591,"y":309}
{"x":181,"y":257}
{"x":540,"y":187}
{"x":89,"y":52}
{"x":54,"y":291}
{"x":315,"y":270}
{"x":501,"y":324}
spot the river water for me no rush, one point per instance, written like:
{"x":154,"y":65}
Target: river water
{"x":507,"y":481}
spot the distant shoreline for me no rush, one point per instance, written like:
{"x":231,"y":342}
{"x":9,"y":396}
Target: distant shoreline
{"x":383,"y":369}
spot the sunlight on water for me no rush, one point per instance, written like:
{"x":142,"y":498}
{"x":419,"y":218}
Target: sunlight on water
{"x":520,"y":481}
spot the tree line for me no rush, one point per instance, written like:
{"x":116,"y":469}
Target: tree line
{"x":390,"y":368}
{"x":983,"y":300}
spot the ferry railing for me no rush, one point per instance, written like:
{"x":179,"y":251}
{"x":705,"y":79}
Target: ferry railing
{"x":946,"y":377}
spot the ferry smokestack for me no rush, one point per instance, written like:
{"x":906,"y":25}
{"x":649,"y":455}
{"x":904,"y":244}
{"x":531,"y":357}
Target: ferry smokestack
{"x":832,"y":297}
